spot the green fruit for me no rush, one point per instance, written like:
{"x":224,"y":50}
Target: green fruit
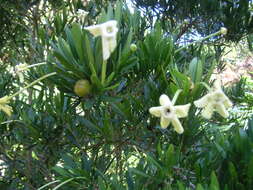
{"x":133,"y":47}
{"x":82,"y":88}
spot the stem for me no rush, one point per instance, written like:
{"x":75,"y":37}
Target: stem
{"x":200,"y":40}
{"x":103,"y":74}
{"x":31,"y":84}
{"x":176,"y":96}
{"x":207,"y":87}
{"x":36,"y":64}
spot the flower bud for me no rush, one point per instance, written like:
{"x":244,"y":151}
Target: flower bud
{"x":133,"y":47}
{"x":82,"y":88}
{"x":223,"y":30}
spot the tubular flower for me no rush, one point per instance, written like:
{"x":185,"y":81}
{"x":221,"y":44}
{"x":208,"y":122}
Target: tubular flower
{"x":19,"y":70}
{"x":170,"y":113}
{"x":4,"y":107}
{"x":108,"y":32}
{"x":82,"y":14}
{"x":215,"y":100}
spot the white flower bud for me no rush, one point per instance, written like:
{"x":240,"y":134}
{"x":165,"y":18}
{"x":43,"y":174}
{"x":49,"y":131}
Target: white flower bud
{"x":223,"y":30}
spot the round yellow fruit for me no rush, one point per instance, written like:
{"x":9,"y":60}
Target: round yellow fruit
{"x":82,"y":88}
{"x":133,"y":47}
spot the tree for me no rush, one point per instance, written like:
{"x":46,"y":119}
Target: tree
{"x":203,"y":16}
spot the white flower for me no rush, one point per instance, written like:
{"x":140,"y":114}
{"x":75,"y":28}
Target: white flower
{"x":108,"y":32}
{"x":4,"y":107}
{"x":19,"y":70}
{"x":170,"y":113}
{"x":215,"y":100}
{"x":223,"y":30}
{"x":82,"y":14}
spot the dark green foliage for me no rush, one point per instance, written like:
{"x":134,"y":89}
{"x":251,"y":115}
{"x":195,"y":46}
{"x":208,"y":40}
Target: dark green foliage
{"x":204,"y":16}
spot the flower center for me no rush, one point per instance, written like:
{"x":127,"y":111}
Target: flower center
{"x":168,"y":111}
{"x":109,"y":29}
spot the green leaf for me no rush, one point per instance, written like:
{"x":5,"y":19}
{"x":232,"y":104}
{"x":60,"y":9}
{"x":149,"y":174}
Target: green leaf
{"x":250,"y":171}
{"x":180,"y":186}
{"x":71,"y":43}
{"x":48,"y":184}
{"x":196,"y":70}
{"x":232,"y":171}
{"x":130,"y":181}
{"x":101,"y":184}
{"x":89,"y":54}
{"x":170,"y":157}
{"x":199,"y":187}
{"x":77,"y":38}
{"x":118,"y":11}
{"x":94,"y":80}
{"x":214,"y":182}
{"x":154,"y":162}
{"x":138,"y":172}
{"x":109,"y":79}
{"x":61,"y":171}
{"x":67,"y":181}
{"x":68,"y":161}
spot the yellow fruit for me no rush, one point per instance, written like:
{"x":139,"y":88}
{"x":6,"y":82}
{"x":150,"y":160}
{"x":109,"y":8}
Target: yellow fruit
{"x":82,"y":88}
{"x":133,"y":47}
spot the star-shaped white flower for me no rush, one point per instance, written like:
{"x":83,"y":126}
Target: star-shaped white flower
{"x":170,"y":113}
{"x":215,"y":100}
{"x":4,"y":107}
{"x":108,"y":32}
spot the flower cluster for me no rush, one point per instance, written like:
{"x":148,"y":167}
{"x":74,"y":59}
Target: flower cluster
{"x":214,"y":100}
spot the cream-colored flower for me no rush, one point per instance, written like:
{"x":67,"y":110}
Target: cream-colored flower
{"x":108,"y":32}
{"x":82,"y":14}
{"x":215,"y":100}
{"x":19,"y":70}
{"x":4,"y":107}
{"x":170,"y":113}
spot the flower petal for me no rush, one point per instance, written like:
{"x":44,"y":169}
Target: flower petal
{"x":202,"y":102}
{"x":217,"y":85}
{"x":164,"y":122}
{"x":109,"y":44}
{"x":109,"y":29}
{"x":164,"y":100}
{"x":94,"y":30}
{"x":7,"y":109}
{"x":177,"y":125}
{"x":156,"y":111}
{"x":227,"y":103}
{"x":221,"y":109}
{"x":208,"y":111}
{"x":182,"y":111}
{"x":4,"y":100}
{"x":21,"y":77}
